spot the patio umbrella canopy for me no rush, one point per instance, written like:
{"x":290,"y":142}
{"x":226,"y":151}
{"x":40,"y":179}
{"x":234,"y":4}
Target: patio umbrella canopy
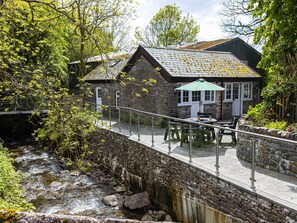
{"x":200,"y":85}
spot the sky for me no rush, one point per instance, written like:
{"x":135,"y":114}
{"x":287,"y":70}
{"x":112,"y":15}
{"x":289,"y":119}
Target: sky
{"x":204,"y":12}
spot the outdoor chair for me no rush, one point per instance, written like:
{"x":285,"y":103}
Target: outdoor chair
{"x":210,"y":129}
{"x":204,"y":114}
{"x":173,"y":130}
{"x":230,"y":125}
{"x":200,"y":136}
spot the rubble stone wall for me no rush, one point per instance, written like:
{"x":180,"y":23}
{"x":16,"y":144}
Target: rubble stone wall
{"x":270,"y":154}
{"x":186,"y":192}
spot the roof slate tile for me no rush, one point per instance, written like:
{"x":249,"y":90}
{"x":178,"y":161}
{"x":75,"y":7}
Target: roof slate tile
{"x":192,"y":63}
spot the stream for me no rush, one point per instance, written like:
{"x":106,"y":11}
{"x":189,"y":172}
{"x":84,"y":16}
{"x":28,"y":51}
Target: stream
{"x":55,"y":189}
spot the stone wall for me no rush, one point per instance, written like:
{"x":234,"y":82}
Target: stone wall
{"x":188,"y":193}
{"x":24,"y":217}
{"x":108,"y":92}
{"x":160,"y":98}
{"x":270,"y":154}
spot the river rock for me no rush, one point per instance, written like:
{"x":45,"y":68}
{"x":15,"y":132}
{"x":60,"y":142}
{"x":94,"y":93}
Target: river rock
{"x":56,"y":184}
{"x":110,"y":200}
{"x":138,"y":201}
{"x":119,"y":189}
{"x":156,"y":216}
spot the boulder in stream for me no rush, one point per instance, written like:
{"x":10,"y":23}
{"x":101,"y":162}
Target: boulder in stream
{"x":110,"y":200}
{"x":156,"y":216}
{"x":138,"y":201}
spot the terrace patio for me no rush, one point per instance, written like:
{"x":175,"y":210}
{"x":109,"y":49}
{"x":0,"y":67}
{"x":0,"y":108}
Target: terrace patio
{"x":272,"y":185}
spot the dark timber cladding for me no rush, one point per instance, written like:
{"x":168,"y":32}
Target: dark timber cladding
{"x":236,"y":46}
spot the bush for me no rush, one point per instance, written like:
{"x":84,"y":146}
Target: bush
{"x":11,"y":196}
{"x":279,"y":125}
{"x":257,"y":115}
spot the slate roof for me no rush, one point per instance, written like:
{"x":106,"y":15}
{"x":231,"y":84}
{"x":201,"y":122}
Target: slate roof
{"x":107,"y":71}
{"x":205,"y":44}
{"x":193,"y":63}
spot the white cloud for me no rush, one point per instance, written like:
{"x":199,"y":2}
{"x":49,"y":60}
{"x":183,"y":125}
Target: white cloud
{"x":205,"y":12}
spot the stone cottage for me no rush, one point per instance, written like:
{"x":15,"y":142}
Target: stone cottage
{"x":147,"y":81}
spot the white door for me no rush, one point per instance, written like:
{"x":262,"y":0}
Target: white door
{"x":98,"y":93}
{"x":194,"y":110}
{"x":196,"y":105}
{"x":237,"y":99}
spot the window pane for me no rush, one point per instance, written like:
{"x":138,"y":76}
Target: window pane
{"x":195,"y":95}
{"x":117,"y":98}
{"x":212,"y":95}
{"x":228,"y":91}
{"x":207,"y":96}
{"x":99,"y":93}
{"x":235,"y":91}
{"x":245,"y":90}
{"x":185,"y":96}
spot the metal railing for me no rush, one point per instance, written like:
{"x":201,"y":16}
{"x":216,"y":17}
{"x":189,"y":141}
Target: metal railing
{"x":153,"y":117}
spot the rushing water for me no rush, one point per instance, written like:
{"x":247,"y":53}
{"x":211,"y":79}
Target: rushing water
{"x":52,"y":188}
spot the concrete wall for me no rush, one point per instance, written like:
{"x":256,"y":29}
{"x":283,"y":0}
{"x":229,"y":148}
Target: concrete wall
{"x":270,"y":154}
{"x":188,"y":193}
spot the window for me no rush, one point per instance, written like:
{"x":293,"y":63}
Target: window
{"x":228,"y":91}
{"x":209,"y":96}
{"x":196,"y":96}
{"x":247,"y":90}
{"x":185,"y":96}
{"x":99,"y":93}
{"x":235,"y":91}
{"x":178,"y":97}
{"x":117,"y":98}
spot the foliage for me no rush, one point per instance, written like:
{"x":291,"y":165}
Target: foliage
{"x":37,"y":40}
{"x":66,"y":129}
{"x":31,"y":45}
{"x":11,"y":196}
{"x":257,"y":114}
{"x":168,"y":27}
{"x":279,"y":125}
{"x":279,"y":57}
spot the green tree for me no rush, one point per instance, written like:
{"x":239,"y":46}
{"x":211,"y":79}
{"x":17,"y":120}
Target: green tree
{"x":279,"y":53}
{"x":169,"y":27}
{"x":35,"y":38}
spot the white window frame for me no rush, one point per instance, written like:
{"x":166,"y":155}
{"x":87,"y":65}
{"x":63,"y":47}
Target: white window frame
{"x":231,"y":93}
{"x":117,"y":98}
{"x":190,"y":101}
{"x":243,"y":91}
{"x":249,"y":91}
{"x":212,"y":97}
{"x":183,"y":97}
{"x":196,"y":96}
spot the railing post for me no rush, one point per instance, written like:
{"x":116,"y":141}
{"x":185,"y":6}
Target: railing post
{"x":253,"y":168}
{"x":130,"y":128}
{"x":109,"y":114}
{"x":138,"y":128}
{"x":120,"y":129}
{"x":168,"y":132}
{"x":217,"y":151}
{"x":152,"y":131}
{"x":190,"y":148}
